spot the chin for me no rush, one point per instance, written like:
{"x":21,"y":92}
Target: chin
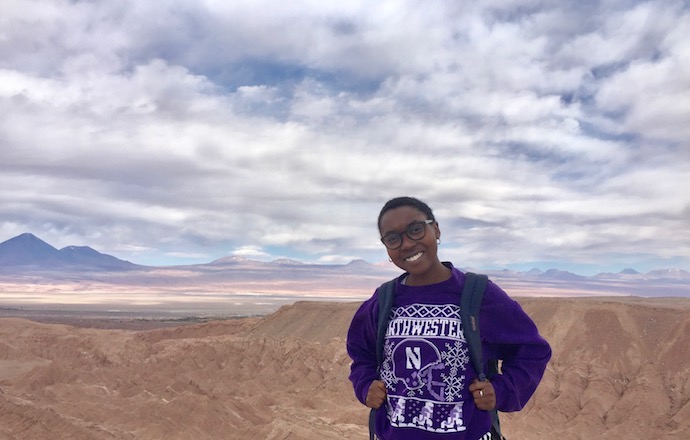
{"x":416,"y":268}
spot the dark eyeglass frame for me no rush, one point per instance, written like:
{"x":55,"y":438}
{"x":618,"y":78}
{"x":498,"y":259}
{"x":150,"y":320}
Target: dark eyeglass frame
{"x":399,"y":235}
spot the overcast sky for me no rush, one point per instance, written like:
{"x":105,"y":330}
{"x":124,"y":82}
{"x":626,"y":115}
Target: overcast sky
{"x":544,"y":134}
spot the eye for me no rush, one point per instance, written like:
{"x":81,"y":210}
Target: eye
{"x":391,"y":239}
{"x":416,"y":229}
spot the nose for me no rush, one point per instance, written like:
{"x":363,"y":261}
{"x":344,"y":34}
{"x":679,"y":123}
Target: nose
{"x":406,"y":242}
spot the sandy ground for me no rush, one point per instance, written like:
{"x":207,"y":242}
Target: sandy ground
{"x":621,"y":369}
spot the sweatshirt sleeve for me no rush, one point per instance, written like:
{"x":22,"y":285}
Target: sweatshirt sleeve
{"x":510,"y":335}
{"x":361,"y":346}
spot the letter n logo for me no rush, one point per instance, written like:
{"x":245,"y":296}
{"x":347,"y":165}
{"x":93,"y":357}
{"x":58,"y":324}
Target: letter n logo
{"x":414,"y":358}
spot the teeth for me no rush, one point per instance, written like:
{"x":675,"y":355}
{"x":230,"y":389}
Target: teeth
{"x":415,"y":257}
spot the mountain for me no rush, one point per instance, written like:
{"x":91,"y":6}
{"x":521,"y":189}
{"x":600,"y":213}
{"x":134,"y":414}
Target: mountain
{"x":672,"y":275}
{"x":560,"y":275}
{"x":629,"y":271}
{"x":86,"y":256}
{"x":669,"y":274}
{"x":230,"y":260}
{"x":28,"y":251}
{"x":358,"y":264}
{"x":287,"y":262}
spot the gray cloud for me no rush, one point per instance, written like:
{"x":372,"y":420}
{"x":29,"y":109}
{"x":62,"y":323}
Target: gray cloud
{"x":540,"y":132}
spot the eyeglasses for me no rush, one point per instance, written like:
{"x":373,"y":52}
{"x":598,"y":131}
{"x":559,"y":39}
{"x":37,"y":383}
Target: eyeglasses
{"x":415,"y":232}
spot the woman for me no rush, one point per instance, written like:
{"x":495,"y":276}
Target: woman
{"x":426,"y":388}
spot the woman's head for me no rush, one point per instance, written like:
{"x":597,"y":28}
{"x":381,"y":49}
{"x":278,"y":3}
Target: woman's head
{"x":410,"y":233}
{"x":406,"y":201}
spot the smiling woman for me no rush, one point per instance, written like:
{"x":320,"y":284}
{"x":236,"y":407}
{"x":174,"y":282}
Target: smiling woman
{"x":424,"y":387}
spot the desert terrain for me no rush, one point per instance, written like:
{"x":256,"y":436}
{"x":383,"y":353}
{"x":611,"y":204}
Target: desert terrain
{"x":620,"y":369}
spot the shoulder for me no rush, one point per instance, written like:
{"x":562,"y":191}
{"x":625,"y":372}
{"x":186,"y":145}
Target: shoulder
{"x":498,"y":306}
{"x":370,"y":306}
{"x":495,"y":296}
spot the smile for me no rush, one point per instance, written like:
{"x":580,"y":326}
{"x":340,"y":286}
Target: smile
{"x":414,"y":257}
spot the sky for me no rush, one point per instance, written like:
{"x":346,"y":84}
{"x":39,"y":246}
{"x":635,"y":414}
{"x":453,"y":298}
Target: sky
{"x":544,"y":134}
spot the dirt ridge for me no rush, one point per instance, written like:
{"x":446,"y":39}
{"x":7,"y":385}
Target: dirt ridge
{"x":621,"y":368}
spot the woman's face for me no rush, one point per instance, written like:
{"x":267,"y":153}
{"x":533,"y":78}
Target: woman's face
{"x":418,"y":257}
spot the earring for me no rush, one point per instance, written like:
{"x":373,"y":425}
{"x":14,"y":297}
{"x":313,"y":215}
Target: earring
{"x":438,"y":241}
{"x":390,"y":259}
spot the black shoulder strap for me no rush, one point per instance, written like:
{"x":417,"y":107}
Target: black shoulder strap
{"x":470,"y":304}
{"x":386,"y":294}
{"x":385,"y":297}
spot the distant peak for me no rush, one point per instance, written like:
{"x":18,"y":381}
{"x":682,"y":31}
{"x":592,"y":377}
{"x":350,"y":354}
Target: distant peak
{"x":78,"y":249}
{"x":26,"y":236}
{"x":629,"y":271}
{"x":358,"y":262}
{"x":286,"y":262}
{"x":230,"y":260}
{"x":28,"y":239}
{"x":30,"y":251}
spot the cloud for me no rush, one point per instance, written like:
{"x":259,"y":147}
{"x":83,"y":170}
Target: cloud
{"x":254,"y":252}
{"x":539,"y":131}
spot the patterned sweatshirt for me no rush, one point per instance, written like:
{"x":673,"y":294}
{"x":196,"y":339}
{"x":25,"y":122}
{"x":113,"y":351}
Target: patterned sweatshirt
{"x":426,"y":366}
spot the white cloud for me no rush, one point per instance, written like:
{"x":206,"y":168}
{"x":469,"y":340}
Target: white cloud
{"x":537,"y":130}
{"x":250,"y":252}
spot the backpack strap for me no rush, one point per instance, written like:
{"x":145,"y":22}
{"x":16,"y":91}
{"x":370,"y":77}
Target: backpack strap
{"x":470,"y":303}
{"x":386,"y":294}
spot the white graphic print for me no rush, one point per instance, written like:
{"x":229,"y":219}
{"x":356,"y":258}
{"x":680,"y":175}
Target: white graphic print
{"x":454,"y":419}
{"x":398,"y":414}
{"x":456,"y":356}
{"x":386,"y":370}
{"x":416,"y":363}
{"x":423,"y":419}
{"x":425,"y":360}
{"x":454,"y":386}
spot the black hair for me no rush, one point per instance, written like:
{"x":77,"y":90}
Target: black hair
{"x":406,"y":201}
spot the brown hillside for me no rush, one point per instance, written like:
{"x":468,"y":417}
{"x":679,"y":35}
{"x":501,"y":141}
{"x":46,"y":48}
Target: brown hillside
{"x":620,"y":369}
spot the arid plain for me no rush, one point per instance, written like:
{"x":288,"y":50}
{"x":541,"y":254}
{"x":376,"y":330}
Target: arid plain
{"x":236,"y":349}
{"x":620,"y":370}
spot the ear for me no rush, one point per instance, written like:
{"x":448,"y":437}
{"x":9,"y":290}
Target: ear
{"x":437,"y":230}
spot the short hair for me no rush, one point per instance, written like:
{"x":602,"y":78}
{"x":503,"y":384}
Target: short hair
{"x":406,"y":201}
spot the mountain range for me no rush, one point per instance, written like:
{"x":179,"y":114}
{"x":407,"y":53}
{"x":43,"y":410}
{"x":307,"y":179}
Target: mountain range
{"x":27,"y":250}
{"x":28,"y":256}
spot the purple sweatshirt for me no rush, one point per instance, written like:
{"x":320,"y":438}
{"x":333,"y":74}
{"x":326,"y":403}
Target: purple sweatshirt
{"x":427,"y":369}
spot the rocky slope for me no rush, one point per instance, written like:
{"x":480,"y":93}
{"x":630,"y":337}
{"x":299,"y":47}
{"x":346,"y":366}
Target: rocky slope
{"x":621,"y":369}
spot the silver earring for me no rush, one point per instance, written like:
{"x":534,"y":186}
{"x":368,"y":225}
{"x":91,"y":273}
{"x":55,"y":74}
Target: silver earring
{"x":438,"y":241}
{"x":390,"y":259}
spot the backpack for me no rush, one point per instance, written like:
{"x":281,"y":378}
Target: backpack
{"x":470,"y":302}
